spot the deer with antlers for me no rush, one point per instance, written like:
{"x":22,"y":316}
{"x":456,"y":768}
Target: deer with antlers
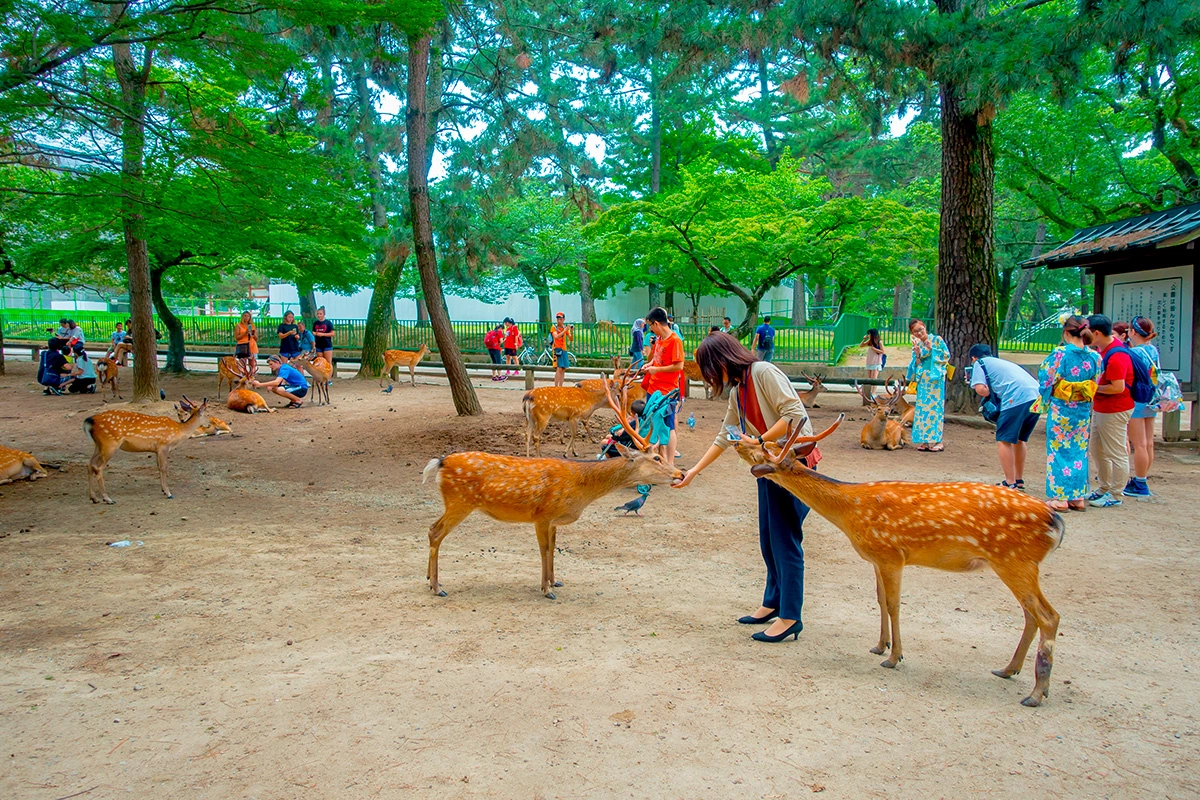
{"x":136,"y":433}
{"x":596,"y":386}
{"x":18,"y":465}
{"x":229,"y":370}
{"x":880,"y":433}
{"x":809,"y":398}
{"x":244,"y":399}
{"x":214,"y":427}
{"x":106,"y":376}
{"x":956,"y":527}
{"x":394,"y":359}
{"x":321,"y":372}
{"x":904,"y":409}
{"x":544,"y":492}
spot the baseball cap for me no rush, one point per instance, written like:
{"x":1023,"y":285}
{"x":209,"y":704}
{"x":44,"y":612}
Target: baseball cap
{"x":560,"y":314}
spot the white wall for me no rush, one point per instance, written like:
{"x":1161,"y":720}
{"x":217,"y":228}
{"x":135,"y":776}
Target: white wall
{"x":622,"y":308}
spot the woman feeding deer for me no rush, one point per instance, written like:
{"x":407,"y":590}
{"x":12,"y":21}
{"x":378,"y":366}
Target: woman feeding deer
{"x":762,"y":403}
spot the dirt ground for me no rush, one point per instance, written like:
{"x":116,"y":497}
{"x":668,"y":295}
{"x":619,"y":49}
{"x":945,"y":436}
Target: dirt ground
{"x":271,"y":635}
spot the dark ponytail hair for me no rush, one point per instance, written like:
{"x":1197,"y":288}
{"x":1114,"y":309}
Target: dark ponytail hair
{"x":721,"y":356}
{"x":1077,"y":326}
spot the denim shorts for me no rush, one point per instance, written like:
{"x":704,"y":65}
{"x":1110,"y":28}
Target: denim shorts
{"x":1143,"y":411}
{"x":1016,"y":424}
{"x":298,"y":391}
{"x":560,"y":358}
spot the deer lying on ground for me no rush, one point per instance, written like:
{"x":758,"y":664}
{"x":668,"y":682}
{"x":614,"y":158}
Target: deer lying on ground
{"x":136,"y":433}
{"x":214,"y":426}
{"x":18,"y":465}
{"x":904,"y":409}
{"x":394,"y":359}
{"x":321,"y":372}
{"x":809,"y":398}
{"x":106,"y":376}
{"x":880,"y":433}
{"x":244,"y":399}
{"x":545,"y":492}
{"x":957,"y":527}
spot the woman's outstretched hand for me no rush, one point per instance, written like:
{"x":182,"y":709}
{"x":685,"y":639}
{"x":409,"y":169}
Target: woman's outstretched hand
{"x":685,"y":480}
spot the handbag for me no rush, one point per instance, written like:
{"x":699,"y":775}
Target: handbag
{"x":949,"y":372}
{"x":990,"y":407}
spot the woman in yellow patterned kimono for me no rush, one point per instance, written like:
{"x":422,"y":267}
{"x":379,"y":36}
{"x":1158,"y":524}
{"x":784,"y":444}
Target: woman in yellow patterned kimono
{"x":1068,"y":382}
{"x":930,"y":356}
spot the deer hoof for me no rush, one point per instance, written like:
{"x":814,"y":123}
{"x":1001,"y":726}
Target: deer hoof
{"x":558,"y":584}
{"x":108,"y":501}
{"x":1031,"y":702}
{"x":889,"y":664}
{"x":550,"y":596}
{"x":441,"y":593}
{"x":879,"y":649}
{"x":1004,"y":673}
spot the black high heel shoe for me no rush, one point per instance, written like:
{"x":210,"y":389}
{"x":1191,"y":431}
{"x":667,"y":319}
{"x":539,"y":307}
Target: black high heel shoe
{"x":752,"y":620}
{"x":793,"y":631}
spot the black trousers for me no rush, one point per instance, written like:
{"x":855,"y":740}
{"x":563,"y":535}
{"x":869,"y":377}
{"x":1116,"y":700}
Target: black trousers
{"x":781,"y":538}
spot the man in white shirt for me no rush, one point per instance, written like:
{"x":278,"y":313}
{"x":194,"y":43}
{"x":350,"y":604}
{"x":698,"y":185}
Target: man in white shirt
{"x":1016,"y":390}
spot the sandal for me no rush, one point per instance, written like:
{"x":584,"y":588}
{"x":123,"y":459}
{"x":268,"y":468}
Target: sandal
{"x":922,"y":448}
{"x":937,"y":448}
{"x":1058,"y":505}
{"x":293,"y":405}
{"x":1080,"y":508}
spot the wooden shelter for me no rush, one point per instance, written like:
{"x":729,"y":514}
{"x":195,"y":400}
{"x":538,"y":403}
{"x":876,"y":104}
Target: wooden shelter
{"x":1147,"y":265}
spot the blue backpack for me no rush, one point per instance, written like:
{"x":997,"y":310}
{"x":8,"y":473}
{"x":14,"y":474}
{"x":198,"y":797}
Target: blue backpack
{"x":1144,"y":384}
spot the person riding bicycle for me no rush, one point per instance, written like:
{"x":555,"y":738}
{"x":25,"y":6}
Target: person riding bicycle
{"x":560,"y":334}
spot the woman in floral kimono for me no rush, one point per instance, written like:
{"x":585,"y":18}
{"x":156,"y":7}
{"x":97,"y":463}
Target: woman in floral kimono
{"x":1068,"y":381}
{"x":928,"y":369}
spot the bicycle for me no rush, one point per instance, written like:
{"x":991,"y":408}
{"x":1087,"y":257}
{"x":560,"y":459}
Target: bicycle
{"x":530,"y":357}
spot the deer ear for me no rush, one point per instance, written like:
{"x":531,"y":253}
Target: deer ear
{"x":762,"y":470}
{"x":802,"y":450}
{"x":624,"y":451}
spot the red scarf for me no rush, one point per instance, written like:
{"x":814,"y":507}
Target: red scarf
{"x":751,"y":412}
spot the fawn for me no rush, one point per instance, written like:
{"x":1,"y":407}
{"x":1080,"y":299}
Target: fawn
{"x":956,"y":527}
{"x":16,"y":465}
{"x":546,"y":492}
{"x":394,"y":359}
{"x":136,"y":433}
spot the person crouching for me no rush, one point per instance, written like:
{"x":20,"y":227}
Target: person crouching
{"x":289,"y":383}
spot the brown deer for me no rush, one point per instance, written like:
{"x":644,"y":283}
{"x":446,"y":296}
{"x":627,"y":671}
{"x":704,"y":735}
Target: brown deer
{"x":244,"y":399}
{"x":394,"y":359}
{"x":956,"y":527}
{"x":545,"y":492}
{"x":321,"y":372}
{"x":136,"y":433}
{"x":880,"y":433}
{"x":903,"y":408}
{"x":229,"y":369}
{"x":214,"y":426}
{"x":570,"y":404}
{"x":106,"y":376}
{"x":809,"y":398}
{"x":692,"y":370}
{"x":596,"y":386}
{"x":17,"y":465}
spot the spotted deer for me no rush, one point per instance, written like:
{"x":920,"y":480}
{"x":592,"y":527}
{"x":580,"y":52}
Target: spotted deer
{"x":18,"y":465}
{"x":394,"y":359}
{"x":242,"y":398}
{"x":544,"y":492}
{"x":809,"y":398}
{"x":106,"y":376}
{"x":214,"y":427}
{"x":135,"y":433}
{"x":880,"y":433}
{"x":571,"y":404}
{"x":956,"y":526}
{"x":229,"y":370}
{"x":321,"y":372}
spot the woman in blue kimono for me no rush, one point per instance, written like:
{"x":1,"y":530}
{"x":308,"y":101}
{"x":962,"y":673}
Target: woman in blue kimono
{"x":930,"y":357}
{"x":1068,"y":382}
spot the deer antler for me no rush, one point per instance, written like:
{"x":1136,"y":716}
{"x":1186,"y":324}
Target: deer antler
{"x":621,"y":411}
{"x":794,"y":438}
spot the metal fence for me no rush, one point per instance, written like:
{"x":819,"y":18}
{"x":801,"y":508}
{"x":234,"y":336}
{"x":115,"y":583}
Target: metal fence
{"x":825,"y":344}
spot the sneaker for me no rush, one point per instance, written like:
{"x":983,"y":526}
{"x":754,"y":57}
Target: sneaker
{"x":1105,"y":500}
{"x":1096,"y":495}
{"x":1136,"y":488}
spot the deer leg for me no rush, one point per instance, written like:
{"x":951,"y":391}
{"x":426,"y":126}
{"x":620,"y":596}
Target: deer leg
{"x":96,"y":475}
{"x":891,"y":588}
{"x":412,"y":374}
{"x":553,"y":546}
{"x":1024,"y":584}
{"x":1018,"y":659}
{"x":447,"y":522}
{"x":573,"y":424}
{"x":162,"y":471}
{"x":885,"y":629}
{"x":543,"y":536}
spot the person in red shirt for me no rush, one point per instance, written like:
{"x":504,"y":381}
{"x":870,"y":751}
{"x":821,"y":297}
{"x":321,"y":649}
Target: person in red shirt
{"x":493,"y":341}
{"x":1111,"y":410}
{"x":665,"y":368}
{"x":512,"y":345}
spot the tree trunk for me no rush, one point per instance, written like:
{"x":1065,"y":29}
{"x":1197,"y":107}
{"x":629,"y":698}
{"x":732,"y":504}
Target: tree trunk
{"x":799,"y":303}
{"x":1023,"y":280}
{"x":966,"y":277}
{"x":765,"y":109}
{"x":132,"y":79}
{"x":819,"y":299}
{"x":669,"y":301}
{"x":422,"y":312}
{"x":308,"y":299}
{"x":1039,"y":303}
{"x":902,"y":302}
{"x":417,"y":122}
{"x":545,"y":315}
{"x":175,"y":343}
{"x":750,"y":321}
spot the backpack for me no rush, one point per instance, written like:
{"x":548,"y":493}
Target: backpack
{"x":1167,"y":394}
{"x":520,"y":340}
{"x":41,"y":373}
{"x":766,"y":339}
{"x":989,"y":409}
{"x":1145,"y":375}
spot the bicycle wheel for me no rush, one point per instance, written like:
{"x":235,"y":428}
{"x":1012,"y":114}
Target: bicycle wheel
{"x":545,"y":359}
{"x":572,"y":360}
{"x":526,"y":357}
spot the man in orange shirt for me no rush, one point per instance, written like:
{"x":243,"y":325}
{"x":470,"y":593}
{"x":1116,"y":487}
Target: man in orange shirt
{"x":665,"y":368}
{"x":560,"y":334}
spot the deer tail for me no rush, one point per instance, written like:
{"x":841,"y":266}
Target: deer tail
{"x":431,"y":469}
{"x":88,"y":424}
{"x":527,"y":407}
{"x":1057,"y":531}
